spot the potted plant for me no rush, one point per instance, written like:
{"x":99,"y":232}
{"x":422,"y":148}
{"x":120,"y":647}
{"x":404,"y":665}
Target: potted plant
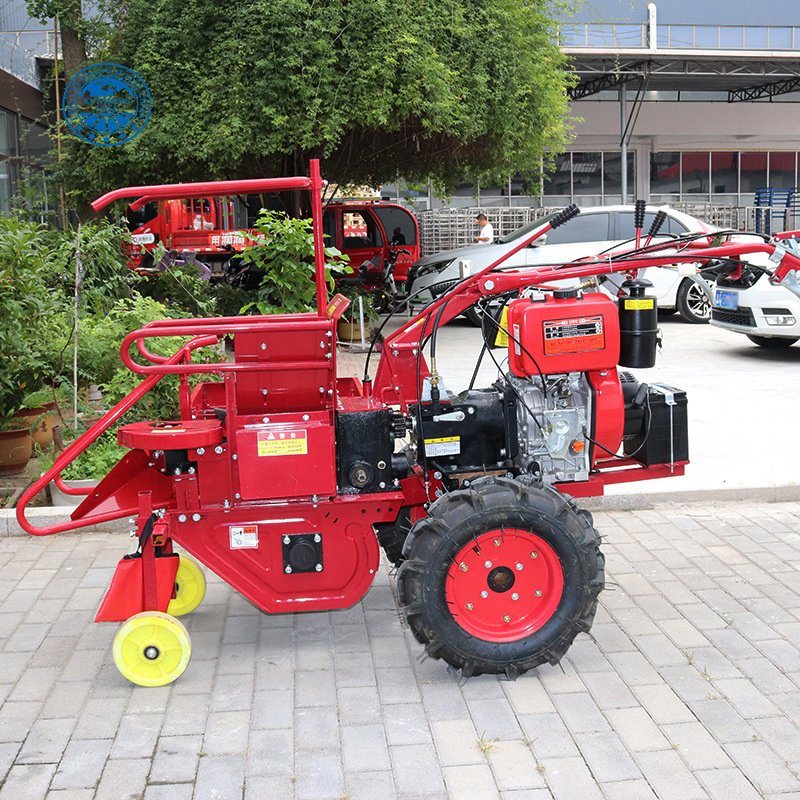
{"x":362,"y":307}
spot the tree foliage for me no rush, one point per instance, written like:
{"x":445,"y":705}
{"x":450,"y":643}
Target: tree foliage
{"x":423,"y":89}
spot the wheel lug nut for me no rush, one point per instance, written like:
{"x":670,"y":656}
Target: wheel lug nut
{"x":469,"y":606}
{"x":484,"y":594}
{"x":515,"y":596}
{"x":519,"y":566}
{"x":487,"y":564}
{"x":497,"y":543}
{"x":538,"y":592}
{"x":506,"y":618}
{"x":534,"y":554}
{"x":463,"y":567}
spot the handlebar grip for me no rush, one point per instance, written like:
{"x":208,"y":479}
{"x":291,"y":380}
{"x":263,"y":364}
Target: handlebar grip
{"x":638,"y":214}
{"x":658,"y":221}
{"x":570,"y":212}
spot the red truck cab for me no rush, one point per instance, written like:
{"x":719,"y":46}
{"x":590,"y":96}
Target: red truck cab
{"x":215,"y":229}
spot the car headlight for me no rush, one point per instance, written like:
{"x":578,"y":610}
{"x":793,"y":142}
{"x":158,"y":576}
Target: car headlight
{"x":778,"y":316}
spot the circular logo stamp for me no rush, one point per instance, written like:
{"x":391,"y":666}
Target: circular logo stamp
{"x":107,"y":104}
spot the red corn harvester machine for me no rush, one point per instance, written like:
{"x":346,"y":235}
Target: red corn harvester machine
{"x":285,"y":479}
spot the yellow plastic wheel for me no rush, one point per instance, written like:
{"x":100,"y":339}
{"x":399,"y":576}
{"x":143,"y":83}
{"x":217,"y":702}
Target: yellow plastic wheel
{"x":190,"y":588}
{"x":152,"y":649}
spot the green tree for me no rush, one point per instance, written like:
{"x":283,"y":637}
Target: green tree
{"x":424,"y":89}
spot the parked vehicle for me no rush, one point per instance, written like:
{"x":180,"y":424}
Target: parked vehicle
{"x":746,"y":302}
{"x":595,"y":230}
{"x":215,"y":229}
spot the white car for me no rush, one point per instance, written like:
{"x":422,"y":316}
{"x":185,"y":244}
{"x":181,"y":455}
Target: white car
{"x":768,"y":315}
{"x":593,"y":231}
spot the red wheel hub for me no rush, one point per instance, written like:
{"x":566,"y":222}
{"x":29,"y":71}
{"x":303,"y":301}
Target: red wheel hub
{"x":504,"y":585}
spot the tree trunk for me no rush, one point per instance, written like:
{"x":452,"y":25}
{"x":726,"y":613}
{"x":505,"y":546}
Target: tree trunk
{"x":72,"y":47}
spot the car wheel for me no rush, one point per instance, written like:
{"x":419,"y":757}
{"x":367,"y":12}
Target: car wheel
{"x":771,"y":342}
{"x":693,"y":303}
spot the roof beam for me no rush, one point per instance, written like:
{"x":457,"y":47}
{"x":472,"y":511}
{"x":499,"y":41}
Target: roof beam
{"x":606,"y":81}
{"x":765,"y":90}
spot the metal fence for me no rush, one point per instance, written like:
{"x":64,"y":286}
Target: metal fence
{"x":449,"y":228}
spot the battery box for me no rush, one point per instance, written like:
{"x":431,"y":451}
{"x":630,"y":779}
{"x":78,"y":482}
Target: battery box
{"x":665,"y":438}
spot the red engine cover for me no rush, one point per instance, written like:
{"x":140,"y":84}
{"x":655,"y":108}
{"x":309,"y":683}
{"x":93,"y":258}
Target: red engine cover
{"x":555,"y":335}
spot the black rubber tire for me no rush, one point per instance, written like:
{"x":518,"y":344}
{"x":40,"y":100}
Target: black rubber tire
{"x":453,"y":521}
{"x":772,"y":343}
{"x":687,"y":300}
{"x":392,"y":536}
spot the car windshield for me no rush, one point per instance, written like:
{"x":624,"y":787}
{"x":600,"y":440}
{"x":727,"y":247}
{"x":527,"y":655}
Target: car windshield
{"x":530,"y":227}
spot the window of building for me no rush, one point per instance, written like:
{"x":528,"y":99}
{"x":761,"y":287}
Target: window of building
{"x":753,"y":172}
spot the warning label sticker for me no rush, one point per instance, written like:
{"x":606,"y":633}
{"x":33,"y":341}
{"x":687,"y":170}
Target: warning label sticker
{"x":282,"y":443}
{"x":243,"y":537}
{"x":443,"y":446}
{"x":501,"y":340}
{"x":577,"y":335}
{"x":639,"y":304}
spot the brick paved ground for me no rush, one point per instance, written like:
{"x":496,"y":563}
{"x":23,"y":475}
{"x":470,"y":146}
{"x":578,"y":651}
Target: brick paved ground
{"x":689,"y":688}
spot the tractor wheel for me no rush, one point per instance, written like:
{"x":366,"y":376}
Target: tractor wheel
{"x":501,"y":578}
{"x":393,"y":536}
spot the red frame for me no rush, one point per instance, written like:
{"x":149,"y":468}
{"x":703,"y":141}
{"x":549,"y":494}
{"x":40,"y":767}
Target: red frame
{"x":271,"y":388}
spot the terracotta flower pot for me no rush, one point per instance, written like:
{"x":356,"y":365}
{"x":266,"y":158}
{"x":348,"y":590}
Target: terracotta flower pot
{"x":40,"y":422}
{"x":16,"y":449}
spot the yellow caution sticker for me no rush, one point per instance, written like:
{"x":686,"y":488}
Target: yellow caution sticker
{"x":443,"y":446}
{"x":501,"y":340}
{"x":639,"y":304}
{"x":282,"y":443}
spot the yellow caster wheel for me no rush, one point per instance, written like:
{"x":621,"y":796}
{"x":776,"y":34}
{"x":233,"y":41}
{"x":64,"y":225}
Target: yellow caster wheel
{"x":190,"y":588}
{"x":152,"y":649}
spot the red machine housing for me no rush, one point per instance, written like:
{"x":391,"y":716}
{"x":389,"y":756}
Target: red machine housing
{"x":552,"y":335}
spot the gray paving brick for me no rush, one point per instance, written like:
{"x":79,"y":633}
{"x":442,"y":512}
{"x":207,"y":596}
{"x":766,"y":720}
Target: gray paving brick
{"x":636,"y":729}
{"x":123,"y":779}
{"x":607,"y":757}
{"x":137,"y":736}
{"x":470,"y":783}
{"x":176,"y":759}
{"x":82,"y":764}
{"x":696,"y":746}
{"x":265,"y":787}
{"x":416,"y":769}
{"x":186,"y":714}
{"x":406,"y":723}
{"x":668,"y":775}
{"x":29,"y":781}
{"x":549,"y":736}
{"x":514,"y":766}
{"x":609,"y":690}
{"x":319,"y":776}
{"x":456,"y":742}
{"x":527,"y":794}
{"x":226,"y":732}
{"x":167,"y":791}
{"x":568,"y":779}
{"x":364,"y":748}
{"x":273,"y":709}
{"x":747,"y":700}
{"x":46,"y":742}
{"x":724,"y":784}
{"x":766,"y":771}
{"x":663,"y":705}
{"x":315,"y":724}
{"x":580,"y":712}
{"x":359,"y":706}
{"x":272,"y":753}
{"x":370,"y":786}
{"x":220,"y":777}
{"x":494,"y":719}
{"x":628,"y":790}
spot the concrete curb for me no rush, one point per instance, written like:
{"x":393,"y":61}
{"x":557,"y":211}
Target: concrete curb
{"x":50,"y":515}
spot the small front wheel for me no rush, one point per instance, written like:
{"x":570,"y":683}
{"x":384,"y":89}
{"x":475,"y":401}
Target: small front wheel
{"x":152,"y":649}
{"x":501,"y":578}
{"x":190,"y":588}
